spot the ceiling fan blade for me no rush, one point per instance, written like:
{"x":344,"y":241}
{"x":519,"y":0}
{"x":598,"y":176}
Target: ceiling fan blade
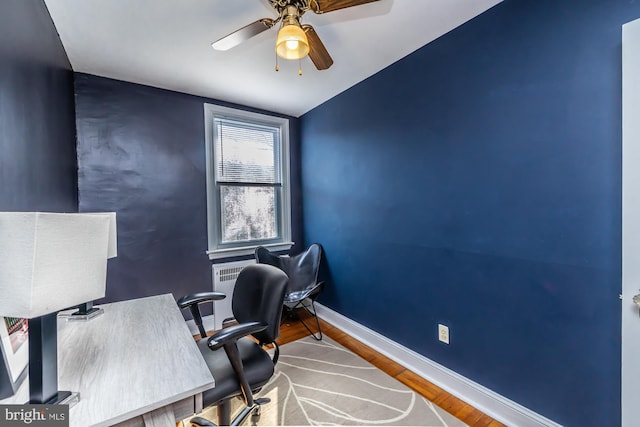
{"x":244,"y":33}
{"x":317,"y":52}
{"x":324,"y":6}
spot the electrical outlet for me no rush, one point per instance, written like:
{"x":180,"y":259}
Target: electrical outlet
{"x":443,"y":333}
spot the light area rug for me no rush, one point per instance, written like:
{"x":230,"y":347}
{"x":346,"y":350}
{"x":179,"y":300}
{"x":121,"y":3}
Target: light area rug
{"x":323,"y":383}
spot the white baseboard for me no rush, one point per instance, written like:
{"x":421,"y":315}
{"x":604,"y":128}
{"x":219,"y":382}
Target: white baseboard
{"x":207,"y":321}
{"x":478,"y":396}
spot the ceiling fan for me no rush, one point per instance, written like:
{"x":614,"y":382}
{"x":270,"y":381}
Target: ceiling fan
{"x":295,"y":40}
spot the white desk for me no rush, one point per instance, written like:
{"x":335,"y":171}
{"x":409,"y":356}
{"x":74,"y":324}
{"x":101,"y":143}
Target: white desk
{"x":137,"y":364}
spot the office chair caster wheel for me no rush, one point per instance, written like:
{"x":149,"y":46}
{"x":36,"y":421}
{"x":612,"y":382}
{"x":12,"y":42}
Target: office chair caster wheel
{"x":200,"y":422}
{"x":255,"y":416}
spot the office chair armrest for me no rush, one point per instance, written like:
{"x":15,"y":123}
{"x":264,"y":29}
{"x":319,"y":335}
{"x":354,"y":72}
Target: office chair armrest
{"x":228,"y":338}
{"x":199,"y":298}
{"x":234,"y":333}
{"x":192,"y":302}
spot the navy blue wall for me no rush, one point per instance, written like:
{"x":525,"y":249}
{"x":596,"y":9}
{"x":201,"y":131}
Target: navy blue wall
{"x":141,"y":153}
{"x":37,"y":121}
{"x":477,"y":183}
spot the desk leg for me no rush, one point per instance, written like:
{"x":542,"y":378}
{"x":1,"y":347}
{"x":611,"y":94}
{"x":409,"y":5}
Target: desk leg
{"x":163,"y":417}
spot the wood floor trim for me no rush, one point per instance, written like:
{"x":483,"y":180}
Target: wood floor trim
{"x":292,"y":330}
{"x":501,"y":408}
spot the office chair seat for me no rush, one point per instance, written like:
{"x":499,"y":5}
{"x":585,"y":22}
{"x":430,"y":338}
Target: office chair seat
{"x":258,"y":368}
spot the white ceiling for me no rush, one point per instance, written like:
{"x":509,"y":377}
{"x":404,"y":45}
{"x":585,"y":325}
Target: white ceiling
{"x":167,"y":44}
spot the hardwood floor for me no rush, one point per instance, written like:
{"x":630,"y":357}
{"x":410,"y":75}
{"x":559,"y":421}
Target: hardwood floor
{"x":291,"y":330}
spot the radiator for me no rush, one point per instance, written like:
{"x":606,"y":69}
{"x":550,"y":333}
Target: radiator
{"x":224,"y":280}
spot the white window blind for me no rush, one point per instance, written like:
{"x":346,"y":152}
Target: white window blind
{"x":247,"y":153}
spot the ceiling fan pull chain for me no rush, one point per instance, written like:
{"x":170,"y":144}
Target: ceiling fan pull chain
{"x":277,"y":68}
{"x":300,"y":67}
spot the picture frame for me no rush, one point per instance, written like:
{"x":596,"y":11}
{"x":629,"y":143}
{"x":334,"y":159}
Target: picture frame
{"x":14,"y":336}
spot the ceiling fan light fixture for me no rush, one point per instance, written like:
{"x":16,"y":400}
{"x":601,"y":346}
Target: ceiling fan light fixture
{"x":292,"y":41}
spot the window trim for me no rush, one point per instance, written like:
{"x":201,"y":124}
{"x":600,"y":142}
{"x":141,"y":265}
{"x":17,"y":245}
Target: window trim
{"x":212,"y":111}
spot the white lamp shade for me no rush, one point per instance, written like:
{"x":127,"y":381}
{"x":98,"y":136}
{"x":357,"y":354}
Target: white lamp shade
{"x":51,"y":261}
{"x":113,"y":233}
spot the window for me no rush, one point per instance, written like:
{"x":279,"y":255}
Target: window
{"x":247,"y":181}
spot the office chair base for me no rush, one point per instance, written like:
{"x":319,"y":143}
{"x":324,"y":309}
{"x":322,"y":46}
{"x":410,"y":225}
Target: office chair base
{"x":254,"y":410}
{"x":200,"y":422}
{"x":249,"y":409}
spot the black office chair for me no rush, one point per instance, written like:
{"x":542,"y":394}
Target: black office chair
{"x":244,"y":366}
{"x":302,"y":270}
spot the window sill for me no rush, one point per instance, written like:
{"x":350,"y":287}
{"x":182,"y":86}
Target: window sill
{"x":247,"y":250}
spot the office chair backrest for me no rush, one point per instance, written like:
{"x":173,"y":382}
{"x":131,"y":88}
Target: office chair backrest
{"x":257,"y":297}
{"x":302,"y":269}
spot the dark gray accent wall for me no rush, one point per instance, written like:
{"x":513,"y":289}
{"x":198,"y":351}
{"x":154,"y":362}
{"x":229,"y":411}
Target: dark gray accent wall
{"x":38,"y":168}
{"x":477,"y":183}
{"x":141,"y":153}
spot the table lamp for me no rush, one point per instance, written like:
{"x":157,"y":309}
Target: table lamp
{"x":50,"y":262}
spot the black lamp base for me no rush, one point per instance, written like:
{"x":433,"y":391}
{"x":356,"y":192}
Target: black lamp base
{"x":61,"y":398}
{"x":43,"y":363}
{"x":78,"y":315}
{"x":85,"y":311}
